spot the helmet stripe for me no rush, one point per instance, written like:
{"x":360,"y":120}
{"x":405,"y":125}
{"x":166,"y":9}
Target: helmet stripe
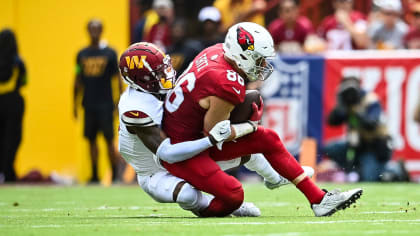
{"x":157,"y":49}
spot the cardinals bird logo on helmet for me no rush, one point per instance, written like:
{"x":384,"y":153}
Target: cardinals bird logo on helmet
{"x":245,"y":39}
{"x":249,"y":45}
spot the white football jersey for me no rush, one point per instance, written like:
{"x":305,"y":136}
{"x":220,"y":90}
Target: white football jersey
{"x":138,"y":109}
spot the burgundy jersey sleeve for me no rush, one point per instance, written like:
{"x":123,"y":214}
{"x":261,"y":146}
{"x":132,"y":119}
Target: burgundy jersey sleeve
{"x":327,"y":24}
{"x":275,"y":30}
{"x":306,"y":25}
{"x":226,"y":84}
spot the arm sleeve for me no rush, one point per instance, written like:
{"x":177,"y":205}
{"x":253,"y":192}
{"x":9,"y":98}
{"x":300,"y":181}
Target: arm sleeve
{"x":114,"y":62}
{"x":23,"y":80}
{"x":272,"y":28}
{"x":78,"y":66}
{"x":137,"y":118}
{"x":172,"y":153}
{"x":322,"y":29}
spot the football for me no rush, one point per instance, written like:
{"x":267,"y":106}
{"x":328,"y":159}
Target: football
{"x":242,"y":112}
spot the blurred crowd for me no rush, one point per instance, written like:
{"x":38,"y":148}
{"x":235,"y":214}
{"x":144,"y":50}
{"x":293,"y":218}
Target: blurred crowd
{"x":390,"y":24}
{"x":385,"y":25}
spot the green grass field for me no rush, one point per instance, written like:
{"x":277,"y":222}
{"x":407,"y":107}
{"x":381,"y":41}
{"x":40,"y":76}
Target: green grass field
{"x":384,"y":209}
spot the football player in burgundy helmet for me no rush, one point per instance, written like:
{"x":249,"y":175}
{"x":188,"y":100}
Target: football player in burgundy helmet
{"x":150,"y":75}
{"x":146,"y":68}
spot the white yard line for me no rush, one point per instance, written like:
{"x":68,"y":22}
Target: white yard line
{"x":133,"y":208}
{"x":306,"y":222}
{"x":204,"y":223}
{"x":47,"y":226}
{"x":382,"y":212}
{"x":274,"y":204}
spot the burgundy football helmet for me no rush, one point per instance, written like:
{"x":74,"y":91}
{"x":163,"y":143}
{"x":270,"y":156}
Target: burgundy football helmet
{"x":145,"y":67}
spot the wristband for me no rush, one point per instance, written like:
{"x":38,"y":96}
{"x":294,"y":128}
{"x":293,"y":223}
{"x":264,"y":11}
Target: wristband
{"x":243,"y":129}
{"x":212,"y":140}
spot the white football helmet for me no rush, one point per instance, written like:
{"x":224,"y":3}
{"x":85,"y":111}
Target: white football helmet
{"x":249,"y":45}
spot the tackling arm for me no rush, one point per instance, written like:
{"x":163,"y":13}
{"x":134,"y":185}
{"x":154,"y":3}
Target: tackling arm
{"x":157,"y":142}
{"x":219,"y":109}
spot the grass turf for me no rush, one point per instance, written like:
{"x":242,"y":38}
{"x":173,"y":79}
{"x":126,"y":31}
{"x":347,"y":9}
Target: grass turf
{"x":384,"y":209}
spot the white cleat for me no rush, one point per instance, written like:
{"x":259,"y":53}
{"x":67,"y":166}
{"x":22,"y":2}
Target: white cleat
{"x":335,"y":200}
{"x":247,"y":209}
{"x":309,"y":171}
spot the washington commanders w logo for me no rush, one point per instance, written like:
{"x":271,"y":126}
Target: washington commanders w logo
{"x":135,"y":62}
{"x":245,"y":39}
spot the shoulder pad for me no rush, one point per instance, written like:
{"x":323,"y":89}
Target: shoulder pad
{"x":137,"y":118}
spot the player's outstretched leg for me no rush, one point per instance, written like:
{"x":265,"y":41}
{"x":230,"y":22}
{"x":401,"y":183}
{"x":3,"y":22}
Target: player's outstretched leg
{"x":309,"y":171}
{"x":268,"y":143}
{"x":272,"y":179}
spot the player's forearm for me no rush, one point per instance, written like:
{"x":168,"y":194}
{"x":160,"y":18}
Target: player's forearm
{"x":77,"y":87}
{"x":173,"y":153}
{"x":242,"y":129}
{"x":360,"y":39}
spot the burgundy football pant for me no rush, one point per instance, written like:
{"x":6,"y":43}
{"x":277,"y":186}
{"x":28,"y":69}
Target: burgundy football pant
{"x":203,"y":173}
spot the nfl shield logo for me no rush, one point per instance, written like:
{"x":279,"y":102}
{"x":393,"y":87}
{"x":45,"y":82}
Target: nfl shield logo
{"x":286,"y":102}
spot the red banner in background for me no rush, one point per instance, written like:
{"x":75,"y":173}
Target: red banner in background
{"x":395,"y":77}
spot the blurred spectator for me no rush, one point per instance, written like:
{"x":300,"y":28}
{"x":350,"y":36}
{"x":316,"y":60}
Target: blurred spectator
{"x":289,"y":30}
{"x":160,"y":33}
{"x":12,"y":78}
{"x":149,"y":18}
{"x":182,"y":50}
{"x":96,"y":66}
{"x":412,"y":38}
{"x":209,"y":18}
{"x":388,"y":31}
{"x":366,"y":150}
{"x":346,"y":29}
{"x":375,"y":12}
{"x":235,"y":11}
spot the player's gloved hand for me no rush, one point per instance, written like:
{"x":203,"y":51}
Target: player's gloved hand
{"x":219,"y":133}
{"x":257,"y":112}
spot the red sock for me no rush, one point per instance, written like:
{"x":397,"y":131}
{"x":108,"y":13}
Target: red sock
{"x":312,"y":192}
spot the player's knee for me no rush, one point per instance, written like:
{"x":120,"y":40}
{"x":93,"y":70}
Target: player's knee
{"x":187,"y":195}
{"x":234,"y":194}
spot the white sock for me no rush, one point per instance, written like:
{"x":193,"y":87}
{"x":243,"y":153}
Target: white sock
{"x":259,"y":164}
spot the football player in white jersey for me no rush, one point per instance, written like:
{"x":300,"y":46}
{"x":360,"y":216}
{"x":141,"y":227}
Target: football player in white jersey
{"x":149,"y":74}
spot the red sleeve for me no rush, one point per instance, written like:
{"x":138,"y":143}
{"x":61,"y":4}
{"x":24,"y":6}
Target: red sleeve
{"x":273,"y":28}
{"x":307,"y":24}
{"x":410,"y":35}
{"x":355,"y":16}
{"x":325,"y":25}
{"x":226,"y":84}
